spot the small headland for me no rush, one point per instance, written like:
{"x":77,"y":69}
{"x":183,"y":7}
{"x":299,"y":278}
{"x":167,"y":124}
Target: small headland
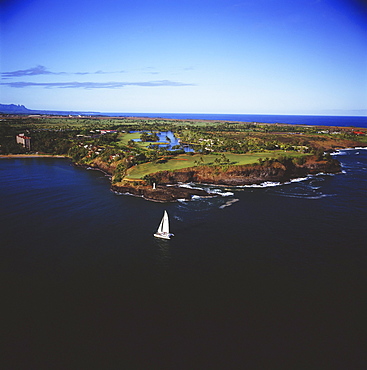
{"x":240,"y":175}
{"x":169,"y":189}
{"x":140,"y":188}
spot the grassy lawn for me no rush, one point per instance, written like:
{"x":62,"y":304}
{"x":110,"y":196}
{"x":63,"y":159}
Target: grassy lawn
{"x":125,"y":138}
{"x":185,"y":161}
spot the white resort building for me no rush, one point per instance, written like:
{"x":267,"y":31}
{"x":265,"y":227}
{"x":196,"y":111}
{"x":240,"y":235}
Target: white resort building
{"x":24,"y":140}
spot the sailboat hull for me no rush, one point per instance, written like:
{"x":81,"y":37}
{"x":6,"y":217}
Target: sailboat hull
{"x":163,"y":235}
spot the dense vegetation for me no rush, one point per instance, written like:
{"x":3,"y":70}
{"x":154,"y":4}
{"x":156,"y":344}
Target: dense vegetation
{"x":110,"y":143}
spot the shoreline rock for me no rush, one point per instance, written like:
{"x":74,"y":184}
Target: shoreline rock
{"x":162,"y":193}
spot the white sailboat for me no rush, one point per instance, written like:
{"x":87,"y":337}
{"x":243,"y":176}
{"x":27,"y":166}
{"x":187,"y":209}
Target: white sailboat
{"x":163,"y":228}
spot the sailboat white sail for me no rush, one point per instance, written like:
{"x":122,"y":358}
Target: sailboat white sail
{"x":163,"y":228}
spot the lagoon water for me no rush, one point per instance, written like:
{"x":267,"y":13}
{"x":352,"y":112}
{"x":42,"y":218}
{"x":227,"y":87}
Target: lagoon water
{"x":268,"y":277}
{"x":170,"y":141}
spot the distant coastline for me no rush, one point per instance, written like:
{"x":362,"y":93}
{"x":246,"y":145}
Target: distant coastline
{"x":301,"y":119}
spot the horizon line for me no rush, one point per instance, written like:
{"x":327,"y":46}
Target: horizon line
{"x":333,"y":112}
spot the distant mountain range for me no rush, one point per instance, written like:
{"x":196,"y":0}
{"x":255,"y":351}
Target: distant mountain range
{"x":21,"y":109}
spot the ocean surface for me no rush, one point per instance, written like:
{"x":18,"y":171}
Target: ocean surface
{"x":271,"y":276}
{"x":341,"y":121}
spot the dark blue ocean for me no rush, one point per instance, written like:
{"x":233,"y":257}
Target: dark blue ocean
{"x":341,"y":121}
{"x":265,"y":277}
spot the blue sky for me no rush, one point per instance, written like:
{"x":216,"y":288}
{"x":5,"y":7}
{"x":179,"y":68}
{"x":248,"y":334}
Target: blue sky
{"x":190,"y":56}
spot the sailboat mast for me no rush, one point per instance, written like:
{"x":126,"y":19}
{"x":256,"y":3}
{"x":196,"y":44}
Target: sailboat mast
{"x":160,"y":227}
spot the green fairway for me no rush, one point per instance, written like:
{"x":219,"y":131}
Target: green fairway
{"x":125,"y":138}
{"x":185,"y":161}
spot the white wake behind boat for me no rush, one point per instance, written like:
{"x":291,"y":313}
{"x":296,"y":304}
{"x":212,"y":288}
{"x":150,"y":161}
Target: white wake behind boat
{"x":163,"y":229}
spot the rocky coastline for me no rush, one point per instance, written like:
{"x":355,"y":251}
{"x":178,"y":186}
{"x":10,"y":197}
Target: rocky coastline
{"x":162,"y":193}
{"x":168,"y":189}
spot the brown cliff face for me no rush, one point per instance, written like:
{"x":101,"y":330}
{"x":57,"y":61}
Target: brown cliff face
{"x":103,"y":166}
{"x":246,"y":175}
{"x":233,"y":176}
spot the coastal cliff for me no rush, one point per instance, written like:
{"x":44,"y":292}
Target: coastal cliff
{"x":247,"y":174}
{"x":167,"y":190}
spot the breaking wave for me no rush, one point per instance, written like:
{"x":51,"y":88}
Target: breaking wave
{"x":270,"y":184}
{"x":347,"y":151}
{"x":207,"y":188}
{"x":220,"y":192}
